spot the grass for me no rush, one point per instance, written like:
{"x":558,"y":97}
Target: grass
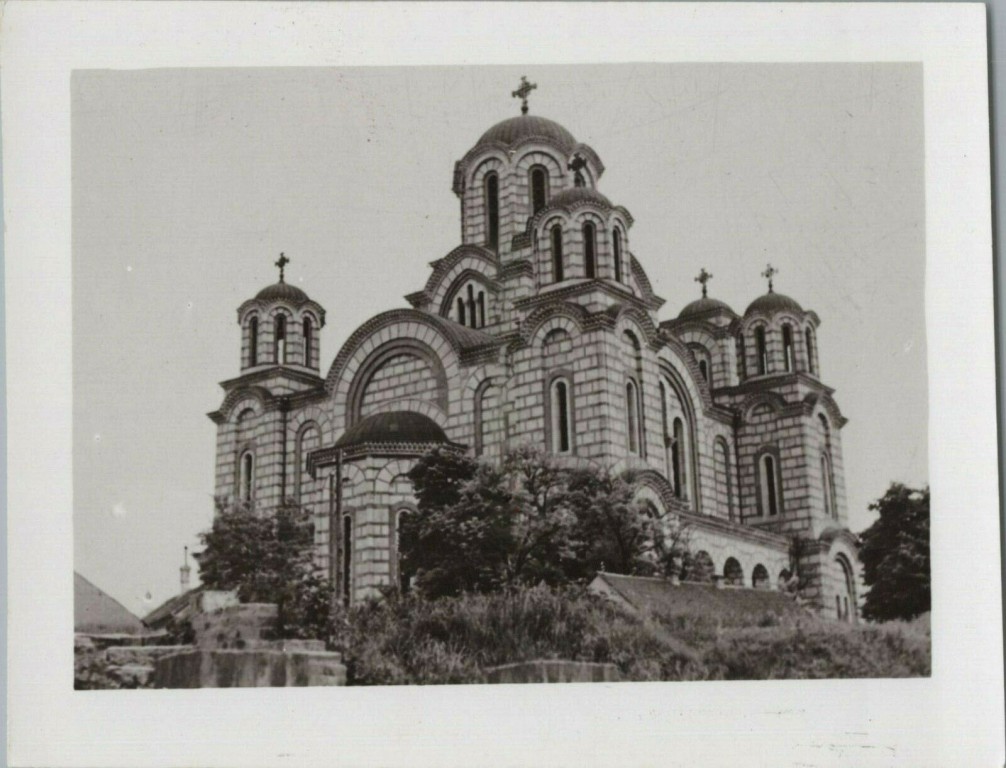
{"x":452,"y":640}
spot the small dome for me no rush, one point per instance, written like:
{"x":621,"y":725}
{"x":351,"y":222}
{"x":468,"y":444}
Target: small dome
{"x":393,"y":427}
{"x":282,"y":290}
{"x":576,"y":194}
{"x":516,"y":129}
{"x":702,"y":306}
{"x":773,"y":302}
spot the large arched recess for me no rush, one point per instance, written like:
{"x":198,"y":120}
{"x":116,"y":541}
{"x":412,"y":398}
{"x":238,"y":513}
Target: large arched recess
{"x":679,"y":387}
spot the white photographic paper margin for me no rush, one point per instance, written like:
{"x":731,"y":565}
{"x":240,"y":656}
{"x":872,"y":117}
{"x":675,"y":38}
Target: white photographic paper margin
{"x":953,"y":718}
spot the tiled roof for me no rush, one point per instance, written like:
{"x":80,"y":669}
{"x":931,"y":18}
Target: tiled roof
{"x":96,"y":611}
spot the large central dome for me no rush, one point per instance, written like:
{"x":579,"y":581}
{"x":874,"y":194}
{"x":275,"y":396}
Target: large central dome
{"x":517,"y":129}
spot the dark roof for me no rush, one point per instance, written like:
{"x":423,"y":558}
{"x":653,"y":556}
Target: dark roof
{"x":95,"y":611}
{"x":393,"y":427}
{"x":169,"y":608}
{"x":773,"y":302}
{"x":731,"y":604}
{"x":517,"y":129}
{"x":284,"y":291}
{"x":576,"y":194}
{"x":702,"y":306}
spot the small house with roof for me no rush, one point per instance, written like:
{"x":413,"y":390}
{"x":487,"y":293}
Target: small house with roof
{"x":541,"y":327}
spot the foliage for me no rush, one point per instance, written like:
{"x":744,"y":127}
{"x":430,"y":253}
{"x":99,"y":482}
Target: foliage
{"x":482,"y":528}
{"x":413,"y":640}
{"x":410,"y":639}
{"x":895,"y":555}
{"x":268,"y":559}
{"x":817,"y":649}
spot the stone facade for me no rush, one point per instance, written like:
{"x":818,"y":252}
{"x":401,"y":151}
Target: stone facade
{"x":541,"y":328}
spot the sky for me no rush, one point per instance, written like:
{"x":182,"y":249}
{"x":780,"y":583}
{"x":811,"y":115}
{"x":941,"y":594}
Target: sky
{"x":187,"y":184}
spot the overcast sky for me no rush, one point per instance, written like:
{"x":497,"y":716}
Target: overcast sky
{"x":188,"y":183}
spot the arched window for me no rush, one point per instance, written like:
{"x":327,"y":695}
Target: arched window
{"x":561,"y":437}
{"x":678,"y":457}
{"x":632,"y":415}
{"x":769,"y":485}
{"x":759,"y":577}
{"x":787,"y":347}
{"x":704,"y":369}
{"x":665,"y":431}
{"x":308,"y":341}
{"x":253,"y":341}
{"x":493,"y":210}
{"x":589,"y":246}
{"x":472,"y":316}
{"x":461,"y":310}
{"x":762,"y":350}
{"x":828,"y":487}
{"x":539,"y":189}
{"x":279,"y":343}
{"x":482,"y":309}
{"x":557,"y":274}
{"x":617,"y":247}
{"x":307,"y":441}
{"x":742,"y":364}
{"x":246,"y":483}
{"x":480,"y":417}
{"x":347,"y":557}
{"x":723,"y":483}
{"x":809,"y":338}
{"x":845,"y":601}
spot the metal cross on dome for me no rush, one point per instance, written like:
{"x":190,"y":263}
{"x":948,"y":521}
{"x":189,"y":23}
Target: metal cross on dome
{"x":282,"y":262}
{"x":769,"y":271}
{"x":522,"y":92}
{"x":704,"y":277}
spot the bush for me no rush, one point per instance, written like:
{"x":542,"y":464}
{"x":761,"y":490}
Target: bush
{"x":452,"y":640}
{"x":818,"y":649}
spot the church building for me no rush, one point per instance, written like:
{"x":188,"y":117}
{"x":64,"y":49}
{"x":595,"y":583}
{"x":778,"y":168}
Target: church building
{"x":541,"y":328}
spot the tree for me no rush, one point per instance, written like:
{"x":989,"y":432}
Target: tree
{"x":895,"y":555}
{"x":268,"y":559}
{"x":481,"y":528}
{"x":614,"y":531}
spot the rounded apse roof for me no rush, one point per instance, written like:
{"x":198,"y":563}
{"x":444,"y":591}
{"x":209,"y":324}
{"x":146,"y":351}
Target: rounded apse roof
{"x":703,"y":305}
{"x":773,"y":302}
{"x":393,"y":427}
{"x":576,"y":194}
{"x":282,"y":290}
{"x":516,"y":129}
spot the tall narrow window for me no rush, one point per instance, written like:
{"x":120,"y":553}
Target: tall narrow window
{"x":253,"y":341}
{"x":308,"y":341}
{"x":247,"y":480}
{"x":742,"y":364}
{"x":560,"y":417}
{"x":678,"y":457}
{"x":472,"y":317}
{"x":482,"y":309}
{"x":557,"y":273}
{"x":809,"y":337}
{"x":347,"y":557}
{"x":723,"y":477}
{"x":589,"y":244}
{"x":787,"y":347}
{"x":279,"y":343}
{"x":617,"y":246}
{"x":493,"y":210}
{"x":761,"y":349}
{"x":539,"y":189}
{"x":704,"y":369}
{"x":828,"y":487}
{"x":665,"y":430}
{"x":769,"y":486}
{"x":632,"y":415}
{"x":461,"y":310}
